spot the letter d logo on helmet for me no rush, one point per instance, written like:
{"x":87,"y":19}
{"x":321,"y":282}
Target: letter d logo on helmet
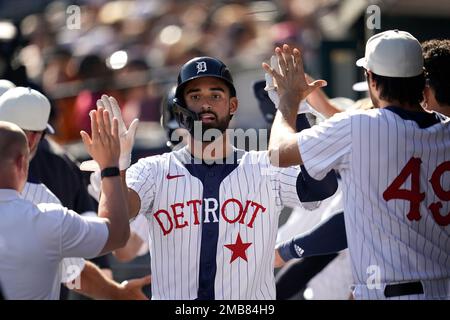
{"x":193,"y":69}
{"x":201,"y":67}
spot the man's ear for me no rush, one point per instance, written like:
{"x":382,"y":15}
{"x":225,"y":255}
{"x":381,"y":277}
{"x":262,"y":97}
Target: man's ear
{"x":370,"y":80}
{"x":233,"y":105}
{"x":20,"y":161}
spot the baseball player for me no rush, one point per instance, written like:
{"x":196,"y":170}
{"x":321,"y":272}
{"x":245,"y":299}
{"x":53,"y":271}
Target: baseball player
{"x":212,"y":210}
{"x":329,"y":273}
{"x":393,"y":161}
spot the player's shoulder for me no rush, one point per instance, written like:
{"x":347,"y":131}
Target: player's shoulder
{"x":357,"y":114}
{"x":41,"y":214}
{"x":53,"y":215}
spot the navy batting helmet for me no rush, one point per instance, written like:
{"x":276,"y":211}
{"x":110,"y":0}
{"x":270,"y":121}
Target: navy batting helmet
{"x":197,"y":68}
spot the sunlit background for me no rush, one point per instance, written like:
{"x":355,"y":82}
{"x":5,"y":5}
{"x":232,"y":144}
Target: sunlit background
{"x":132,"y":49}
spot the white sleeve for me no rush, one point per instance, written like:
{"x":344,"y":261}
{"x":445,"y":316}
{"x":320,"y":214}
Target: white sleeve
{"x":284,"y":181}
{"x":287,"y":181}
{"x":141,"y":179}
{"x":77,"y":236}
{"x":83,"y":236}
{"x":326,"y":146}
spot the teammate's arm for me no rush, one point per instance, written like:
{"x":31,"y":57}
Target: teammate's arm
{"x":134,"y":202}
{"x":94,"y":284}
{"x":320,"y":101}
{"x":309,"y":189}
{"x":292,"y":89}
{"x":126,"y":145}
{"x":131,"y":249}
{"x":104,"y":147}
{"x":327,"y":237}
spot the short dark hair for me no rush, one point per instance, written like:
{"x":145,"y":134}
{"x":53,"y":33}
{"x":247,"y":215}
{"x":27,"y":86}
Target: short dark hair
{"x":404,"y":90}
{"x":436,"y":58}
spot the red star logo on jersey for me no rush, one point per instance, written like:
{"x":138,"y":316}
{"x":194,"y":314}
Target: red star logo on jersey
{"x":238,"y":249}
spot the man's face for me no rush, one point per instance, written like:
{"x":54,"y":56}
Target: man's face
{"x":209,"y":97}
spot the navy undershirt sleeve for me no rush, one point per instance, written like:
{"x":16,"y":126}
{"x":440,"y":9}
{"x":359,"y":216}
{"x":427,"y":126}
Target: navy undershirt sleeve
{"x":328,"y":237}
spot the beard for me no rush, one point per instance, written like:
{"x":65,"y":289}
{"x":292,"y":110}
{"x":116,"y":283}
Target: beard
{"x":211,"y":131}
{"x":219,"y":124}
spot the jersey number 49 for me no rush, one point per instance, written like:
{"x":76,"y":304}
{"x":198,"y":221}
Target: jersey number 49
{"x":414,"y":196}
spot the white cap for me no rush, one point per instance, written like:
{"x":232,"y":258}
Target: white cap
{"x":27,"y":108}
{"x":5,"y":85}
{"x":393,"y":53}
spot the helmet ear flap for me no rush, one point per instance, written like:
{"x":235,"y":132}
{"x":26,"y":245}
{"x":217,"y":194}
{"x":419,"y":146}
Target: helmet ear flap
{"x":184,"y":116}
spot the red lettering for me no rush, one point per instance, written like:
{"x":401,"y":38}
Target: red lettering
{"x":178,"y":215}
{"x":224,"y":207}
{"x":195,"y":203}
{"x":258,"y":207}
{"x":441,"y":193}
{"x":247,"y":203}
{"x":414,"y":196}
{"x":156,"y":215}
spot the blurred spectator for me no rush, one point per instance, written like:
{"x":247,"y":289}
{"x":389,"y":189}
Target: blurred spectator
{"x":57,"y":69}
{"x":141,"y":100}
{"x":95,"y":76}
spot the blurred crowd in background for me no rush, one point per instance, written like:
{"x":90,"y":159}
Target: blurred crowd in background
{"x":133,"y":49}
{"x":75,"y":51}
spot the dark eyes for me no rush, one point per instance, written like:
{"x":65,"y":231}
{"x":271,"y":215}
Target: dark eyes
{"x":197,"y":97}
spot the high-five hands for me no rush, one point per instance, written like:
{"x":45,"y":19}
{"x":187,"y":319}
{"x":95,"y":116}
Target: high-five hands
{"x":104,"y":145}
{"x":288,"y":77}
{"x":126,"y":135}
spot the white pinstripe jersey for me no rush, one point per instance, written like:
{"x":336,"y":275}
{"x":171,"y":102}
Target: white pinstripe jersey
{"x":70,"y":268}
{"x":212,"y":228}
{"x":384,"y":158}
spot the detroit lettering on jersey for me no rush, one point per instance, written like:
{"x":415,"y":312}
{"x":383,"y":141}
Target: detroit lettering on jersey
{"x":232,"y":211}
{"x":212,"y":228}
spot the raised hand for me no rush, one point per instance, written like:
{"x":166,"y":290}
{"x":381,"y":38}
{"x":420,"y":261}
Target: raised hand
{"x":104,"y":145}
{"x":290,"y":77}
{"x":271,"y":88}
{"x":126,"y":135}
